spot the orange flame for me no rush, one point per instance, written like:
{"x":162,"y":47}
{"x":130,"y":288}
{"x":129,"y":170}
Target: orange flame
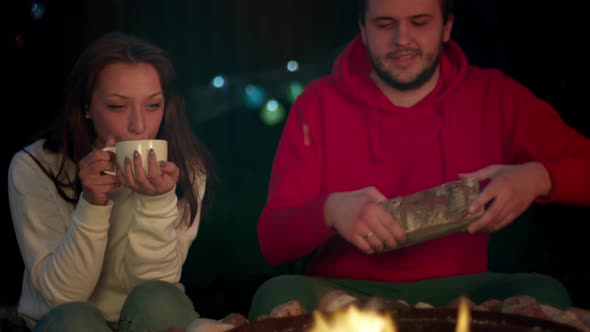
{"x":463,"y":316}
{"x":354,"y":320}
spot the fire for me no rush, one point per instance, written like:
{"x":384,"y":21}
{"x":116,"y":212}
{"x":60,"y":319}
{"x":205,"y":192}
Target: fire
{"x":463,"y":315}
{"x":354,"y":320}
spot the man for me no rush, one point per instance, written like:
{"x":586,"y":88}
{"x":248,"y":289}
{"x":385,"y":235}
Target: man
{"x":402,"y":112}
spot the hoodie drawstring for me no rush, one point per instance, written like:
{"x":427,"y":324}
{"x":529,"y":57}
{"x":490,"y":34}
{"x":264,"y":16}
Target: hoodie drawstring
{"x":374,"y":136}
{"x":442,"y":140}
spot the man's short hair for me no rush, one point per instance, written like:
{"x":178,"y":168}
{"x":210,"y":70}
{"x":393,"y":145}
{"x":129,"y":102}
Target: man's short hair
{"x":446,"y":7}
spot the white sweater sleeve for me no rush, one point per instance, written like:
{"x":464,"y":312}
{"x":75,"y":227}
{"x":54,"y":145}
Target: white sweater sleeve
{"x":159,"y":238}
{"x":63,"y":252}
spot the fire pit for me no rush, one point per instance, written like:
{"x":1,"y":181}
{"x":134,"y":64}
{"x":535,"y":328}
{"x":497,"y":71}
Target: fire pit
{"x":353,"y":319}
{"x":415,"y":320}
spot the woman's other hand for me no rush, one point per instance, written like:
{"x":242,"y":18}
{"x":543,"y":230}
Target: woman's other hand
{"x":157,"y":181}
{"x":96,"y":184}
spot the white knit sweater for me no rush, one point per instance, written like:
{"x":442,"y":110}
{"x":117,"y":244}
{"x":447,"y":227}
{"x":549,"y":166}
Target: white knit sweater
{"x":91,"y":253}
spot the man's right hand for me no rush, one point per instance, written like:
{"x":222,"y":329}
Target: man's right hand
{"x":358,"y":217}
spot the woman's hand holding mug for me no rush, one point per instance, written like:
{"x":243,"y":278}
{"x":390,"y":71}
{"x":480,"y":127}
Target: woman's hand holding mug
{"x":142,"y":166}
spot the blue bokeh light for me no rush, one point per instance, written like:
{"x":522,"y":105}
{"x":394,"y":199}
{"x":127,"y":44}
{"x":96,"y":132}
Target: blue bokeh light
{"x":292,"y":66}
{"x":37,"y":10}
{"x":254,"y":96}
{"x":218,"y":81}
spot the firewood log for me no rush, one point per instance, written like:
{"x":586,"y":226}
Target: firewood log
{"x":335,"y":300}
{"x":582,"y":314}
{"x":523,"y":305}
{"x":491,"y":305}
{"x":235,"y":319}
{"x":208,"y":325}
{"x":289,"y":309}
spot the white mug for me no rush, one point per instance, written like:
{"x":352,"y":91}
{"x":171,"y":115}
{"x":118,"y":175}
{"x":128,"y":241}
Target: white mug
{"x":124,"y":149}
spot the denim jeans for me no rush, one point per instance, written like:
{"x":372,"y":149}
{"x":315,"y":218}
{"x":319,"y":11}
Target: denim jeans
{"x":153,"y":306}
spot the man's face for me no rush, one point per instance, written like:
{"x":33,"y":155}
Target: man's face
{"x":405,"y":40}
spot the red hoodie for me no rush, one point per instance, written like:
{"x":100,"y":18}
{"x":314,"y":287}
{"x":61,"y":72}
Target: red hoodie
{"x":343,"y":134}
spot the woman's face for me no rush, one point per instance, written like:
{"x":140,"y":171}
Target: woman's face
{"x":127,"y":103}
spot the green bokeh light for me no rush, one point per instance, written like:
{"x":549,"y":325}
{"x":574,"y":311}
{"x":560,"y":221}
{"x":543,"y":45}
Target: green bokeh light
{"x":293,"y":91}
{"x":272,"y":113}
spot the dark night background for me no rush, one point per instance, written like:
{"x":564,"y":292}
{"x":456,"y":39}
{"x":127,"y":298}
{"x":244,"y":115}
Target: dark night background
{"x":540,"y":43}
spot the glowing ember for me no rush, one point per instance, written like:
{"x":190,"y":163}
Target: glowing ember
{"x":463,"y":315}
{"x":354,"y":320}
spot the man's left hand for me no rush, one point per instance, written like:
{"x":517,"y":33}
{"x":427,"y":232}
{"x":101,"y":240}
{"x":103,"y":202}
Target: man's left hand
{"x":512,"y":189}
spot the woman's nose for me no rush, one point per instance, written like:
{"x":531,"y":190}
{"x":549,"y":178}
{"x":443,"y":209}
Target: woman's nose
{"x":136,"y":121}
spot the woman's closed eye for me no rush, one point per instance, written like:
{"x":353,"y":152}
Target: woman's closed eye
{"x":115,"y":106}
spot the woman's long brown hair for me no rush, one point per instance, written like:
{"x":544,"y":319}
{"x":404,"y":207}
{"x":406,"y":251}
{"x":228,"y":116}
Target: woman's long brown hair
{"x":73,"y":134}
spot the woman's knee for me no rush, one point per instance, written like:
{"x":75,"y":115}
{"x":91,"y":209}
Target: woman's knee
{"x":156,"y":303}
{"x":73,"y":316}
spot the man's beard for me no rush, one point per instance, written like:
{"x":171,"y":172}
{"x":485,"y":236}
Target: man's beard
{"x":424,"y":76}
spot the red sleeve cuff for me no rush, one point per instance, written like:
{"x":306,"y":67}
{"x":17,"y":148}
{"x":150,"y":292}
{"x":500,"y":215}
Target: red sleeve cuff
{"x":570,"y":181}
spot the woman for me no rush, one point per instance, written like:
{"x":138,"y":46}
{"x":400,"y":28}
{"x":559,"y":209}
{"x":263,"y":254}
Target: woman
{"x":102,"y":251}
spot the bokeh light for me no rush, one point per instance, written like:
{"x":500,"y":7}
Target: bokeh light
{"x":254,"y":96}
{"x":293,"y":91}
{"x":19,"y":41}
{"x":218,"y":81}
{"x":37,"y":10}
{"x":272,"y":113}
{"x":292,"y":66}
